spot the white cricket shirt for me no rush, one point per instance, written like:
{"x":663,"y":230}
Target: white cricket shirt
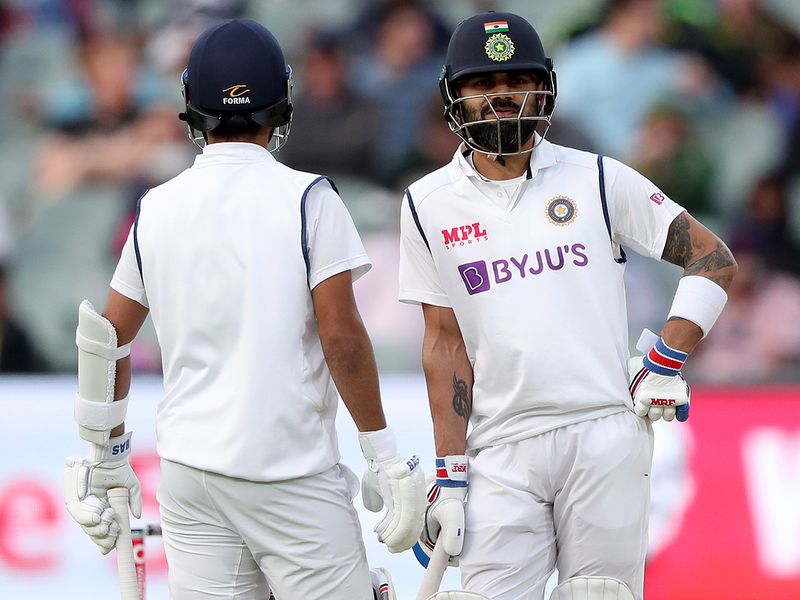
{"x":536,"y":286}
{"x":247,"y":391}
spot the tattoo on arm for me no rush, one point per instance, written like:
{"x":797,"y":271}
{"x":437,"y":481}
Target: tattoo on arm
{"x":714,"y":266}
{"x":678,"y":247}
{"x":693,"y":253}
{"x":461,"y":402}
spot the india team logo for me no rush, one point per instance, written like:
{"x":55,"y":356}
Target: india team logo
{"x":561,"y":211}
{"x":499,"y":47}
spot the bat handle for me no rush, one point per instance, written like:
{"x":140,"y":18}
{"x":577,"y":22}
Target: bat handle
{"x":434,"y":573}
{"x":128,"y":585}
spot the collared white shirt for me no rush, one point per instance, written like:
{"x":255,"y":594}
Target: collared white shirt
{"x":227,"y":277}
{"x":537,"y":286}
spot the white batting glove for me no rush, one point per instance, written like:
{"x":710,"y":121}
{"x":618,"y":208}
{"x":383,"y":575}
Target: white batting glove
{"x":657,"y":387}
{"x":86,"y":484}
{"x":397,"y":484}
{"x":444,"y":518}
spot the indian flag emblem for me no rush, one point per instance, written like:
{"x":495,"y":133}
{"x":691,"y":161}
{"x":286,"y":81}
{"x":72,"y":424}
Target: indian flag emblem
{"x":495,"y":26}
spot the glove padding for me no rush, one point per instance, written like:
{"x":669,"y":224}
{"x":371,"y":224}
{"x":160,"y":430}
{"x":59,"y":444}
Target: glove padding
{"x":397,"y":484}
{"x":382,"y":586}
{"x":444,"y":517}
{"x":86,"y":484}
{"x":656,"y":396}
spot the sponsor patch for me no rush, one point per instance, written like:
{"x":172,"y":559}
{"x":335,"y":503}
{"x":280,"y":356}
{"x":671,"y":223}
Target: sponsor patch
{"x":236,"y":94}
{"x":657,"y":197}
{"x":475,"y":276}
{"x":463,"y":235}
{"x":479,"y":276}
{"x":499,"y":47}
{"x":561,"y":211}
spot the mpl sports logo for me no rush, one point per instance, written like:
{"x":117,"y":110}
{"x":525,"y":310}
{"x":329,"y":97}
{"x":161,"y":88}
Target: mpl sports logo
{"x":236,"y":94}
{"x":464,"y":235}
{"x":479,"y":275}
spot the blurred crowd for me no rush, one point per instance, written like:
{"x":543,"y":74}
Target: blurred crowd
{"x":701,"y":96}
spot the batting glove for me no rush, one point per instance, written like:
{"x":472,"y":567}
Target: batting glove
{"x":397,"y":484}
{"x":382,"y":586}
{"x":444,"y":518}
{"x":657,"y":387}
{"x":86,"y":484}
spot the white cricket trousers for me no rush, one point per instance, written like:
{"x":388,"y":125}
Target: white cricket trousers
{"x":235,"y":539}
{"x":576,"y":498}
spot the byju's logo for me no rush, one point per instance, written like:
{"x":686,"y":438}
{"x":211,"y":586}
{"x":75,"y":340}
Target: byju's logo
{"x":475,"y":276}
{"x":478,"y":276}
{"x":466,"y":234}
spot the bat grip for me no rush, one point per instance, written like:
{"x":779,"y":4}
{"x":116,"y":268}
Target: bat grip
{"x":434,"y":573}
{"x":128,"y":585}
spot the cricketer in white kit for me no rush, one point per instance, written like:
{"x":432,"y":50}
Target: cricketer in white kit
{"x":246,"y":267}
{"x":515,"y":252}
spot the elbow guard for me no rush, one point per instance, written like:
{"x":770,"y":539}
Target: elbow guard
{"x":96,"y":412}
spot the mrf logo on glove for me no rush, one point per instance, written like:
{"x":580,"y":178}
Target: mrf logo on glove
{"x":657,"y":387}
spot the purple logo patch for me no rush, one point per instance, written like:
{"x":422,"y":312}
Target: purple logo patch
{"x":475,"y":276}
{"x":657,"y":197}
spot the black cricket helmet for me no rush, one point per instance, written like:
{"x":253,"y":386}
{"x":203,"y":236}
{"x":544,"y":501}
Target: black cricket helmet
{"x":237,"y":75}
{"x":497,"y":42}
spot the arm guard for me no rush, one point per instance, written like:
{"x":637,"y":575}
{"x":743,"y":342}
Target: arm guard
{"x":96,"y":412}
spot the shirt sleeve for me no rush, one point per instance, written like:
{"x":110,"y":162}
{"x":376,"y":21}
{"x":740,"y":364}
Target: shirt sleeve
{"x":419,"y":280}
{"x":640,"y":212}
{"x":127,"y":279}
{"x":334,"y":245}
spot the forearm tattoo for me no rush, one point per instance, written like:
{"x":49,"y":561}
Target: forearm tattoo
{"x":685,"y":251}
{"x":461,"y":403}
{"x":714,"y":266}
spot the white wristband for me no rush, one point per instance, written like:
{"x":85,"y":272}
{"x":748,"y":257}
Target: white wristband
{"x":699,"y":300}
{"x":378,"y":445}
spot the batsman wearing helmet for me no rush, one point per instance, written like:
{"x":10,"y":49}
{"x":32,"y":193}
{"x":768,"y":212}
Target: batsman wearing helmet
{"x":516,"y":252}
{"x":246,"y":267}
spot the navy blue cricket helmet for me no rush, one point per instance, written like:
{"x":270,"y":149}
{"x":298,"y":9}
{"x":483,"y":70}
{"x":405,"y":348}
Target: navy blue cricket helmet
{"x":237,"y":74}
{"x":497,"y":42}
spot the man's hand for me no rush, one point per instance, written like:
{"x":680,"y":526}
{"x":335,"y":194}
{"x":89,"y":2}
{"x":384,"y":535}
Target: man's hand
{"x":444,"y":518}
{"x":397,"y":484}
{"x":657,"y":387}
{"x":86,"y":484}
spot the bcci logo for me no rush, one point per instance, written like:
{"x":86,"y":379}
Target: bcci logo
{"x":236,"y":94}
{"x":561,"y":211}
{"x":499,"y":47}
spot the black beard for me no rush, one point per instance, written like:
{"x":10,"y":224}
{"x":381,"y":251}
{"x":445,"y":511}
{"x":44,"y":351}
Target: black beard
{"x":484,"y":135}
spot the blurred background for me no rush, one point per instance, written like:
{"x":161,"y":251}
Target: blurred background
{"x":701,"y":96}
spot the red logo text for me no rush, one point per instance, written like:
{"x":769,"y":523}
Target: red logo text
{"x":465,"y":234}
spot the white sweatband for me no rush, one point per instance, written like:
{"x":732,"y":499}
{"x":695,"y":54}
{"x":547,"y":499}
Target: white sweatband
{"x":699,"y":300}
{"x":378,"y":445}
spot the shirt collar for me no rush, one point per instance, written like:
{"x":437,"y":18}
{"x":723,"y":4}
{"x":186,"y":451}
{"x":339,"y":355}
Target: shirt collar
{"x":543,"y":156}
{"x":233,"y":152}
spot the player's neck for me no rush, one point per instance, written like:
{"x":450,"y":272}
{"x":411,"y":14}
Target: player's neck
{"x":499,"y":168}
